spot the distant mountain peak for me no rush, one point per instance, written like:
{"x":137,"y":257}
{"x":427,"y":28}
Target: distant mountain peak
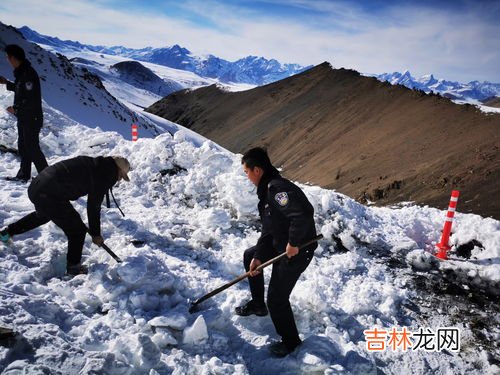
{"x":182,"y":50}
{"x":254,"y":70}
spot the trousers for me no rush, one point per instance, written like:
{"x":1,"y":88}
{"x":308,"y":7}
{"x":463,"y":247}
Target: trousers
{"x":28,"y":145}
{"x":284,"y":276}
{"x":61,"y":213}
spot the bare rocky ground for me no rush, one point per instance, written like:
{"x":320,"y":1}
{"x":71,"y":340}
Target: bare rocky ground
{"x":365,"y":138}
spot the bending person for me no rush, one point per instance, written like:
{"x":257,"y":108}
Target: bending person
{"x":53,"y":189}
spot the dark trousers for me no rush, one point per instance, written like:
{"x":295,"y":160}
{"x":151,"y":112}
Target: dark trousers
{"x":256,"y":282}
{"x":62,"y":214}
{"x":284,"y":276}
{"x":28,"y":144}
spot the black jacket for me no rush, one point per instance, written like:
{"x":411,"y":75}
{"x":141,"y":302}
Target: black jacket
{"x":28,"y":94}
{"x":73,"y":178}
{"x":286,"y":215}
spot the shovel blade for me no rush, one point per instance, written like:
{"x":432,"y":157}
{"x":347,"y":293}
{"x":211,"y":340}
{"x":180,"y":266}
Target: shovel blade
{"x":194,"y":307}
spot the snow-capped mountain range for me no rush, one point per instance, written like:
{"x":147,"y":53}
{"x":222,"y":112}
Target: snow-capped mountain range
{"x":251,"y":69}
{"x":473,"y":90}
{"x":255,"y":70}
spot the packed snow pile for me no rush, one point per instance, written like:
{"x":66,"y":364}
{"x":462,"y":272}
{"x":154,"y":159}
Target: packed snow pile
{"x":190,"y":214}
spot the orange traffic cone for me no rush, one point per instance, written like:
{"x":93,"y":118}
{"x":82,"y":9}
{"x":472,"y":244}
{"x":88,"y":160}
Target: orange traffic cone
{"x":445,"y":235}
{"x":135,"y":132}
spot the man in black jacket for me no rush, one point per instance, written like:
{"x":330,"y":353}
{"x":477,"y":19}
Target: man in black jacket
{"x":53,"y":189}
{"x":28,"y":110}
{"x":287,"y":221}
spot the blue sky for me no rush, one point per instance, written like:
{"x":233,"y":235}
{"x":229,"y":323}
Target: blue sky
{"x":454,"y":39}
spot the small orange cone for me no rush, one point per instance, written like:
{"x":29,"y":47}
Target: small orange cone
{"x":135,"y":132}
{"x":445,"y":236}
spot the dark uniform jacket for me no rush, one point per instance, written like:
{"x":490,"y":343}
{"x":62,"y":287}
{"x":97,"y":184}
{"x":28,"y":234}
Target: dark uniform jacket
{"x":73,"y":178}
{"x":286,"y":215}
{"x":28,"y":95}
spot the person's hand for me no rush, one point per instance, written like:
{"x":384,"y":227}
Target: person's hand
{"x":291,"y":251}
{"x":253,"y":265}
{"x":98,"y":240}
{"x":11,"y":110}
{"x":3,"y":80}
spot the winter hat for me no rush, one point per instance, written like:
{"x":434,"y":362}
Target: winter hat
{"x":123,"y":167}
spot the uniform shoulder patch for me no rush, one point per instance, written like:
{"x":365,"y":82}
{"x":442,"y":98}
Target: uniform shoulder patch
{"x":282,"y":198}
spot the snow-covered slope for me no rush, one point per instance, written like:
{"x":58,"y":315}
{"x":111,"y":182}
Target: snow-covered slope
{"x":73,"y":90}
{"x":136,"y":95}
{"x":190,"y":213}
{"x":250,"y":70}
{"x":141,"y":77}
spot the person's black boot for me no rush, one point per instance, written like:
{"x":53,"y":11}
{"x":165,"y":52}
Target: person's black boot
{"x":76,"y":269}
{"x":251,"y":308}
{"x":17,"y":179}
{"x":280,"y":349}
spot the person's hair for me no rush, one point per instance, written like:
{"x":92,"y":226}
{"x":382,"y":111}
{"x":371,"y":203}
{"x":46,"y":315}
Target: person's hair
{"x":15,"y":51}
{"x":257,"y":157}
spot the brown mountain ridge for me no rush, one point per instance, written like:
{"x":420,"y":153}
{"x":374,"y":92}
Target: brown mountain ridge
{"x":364,"y":138}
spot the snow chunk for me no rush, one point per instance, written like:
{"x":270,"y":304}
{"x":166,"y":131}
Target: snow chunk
{"x":175,"y":321}
{"x":197,"y":333}
{"x":212,"y":217}
{"x":422,"y":260}
{"x":162,"y":338}
{"x":362,"y":296}
{"x":132,"y":270}
{"x":138,"y":350}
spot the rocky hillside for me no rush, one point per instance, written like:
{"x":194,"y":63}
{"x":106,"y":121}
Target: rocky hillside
{"x":365,"y":138}
{"x":492,"y":102}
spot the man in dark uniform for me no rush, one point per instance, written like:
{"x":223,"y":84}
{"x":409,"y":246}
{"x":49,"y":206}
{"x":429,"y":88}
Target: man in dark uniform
{"x":53,"y":189}
{"x":28,"y":110}
{"x":287,"y":221}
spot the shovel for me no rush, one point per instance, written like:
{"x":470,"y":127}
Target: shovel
{"x":247,"y":274}
{"x":110,"y":252}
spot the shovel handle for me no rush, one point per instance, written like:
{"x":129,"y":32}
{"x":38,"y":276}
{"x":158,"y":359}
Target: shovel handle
{"x":271,"y":261}
{"x":110,"y":252}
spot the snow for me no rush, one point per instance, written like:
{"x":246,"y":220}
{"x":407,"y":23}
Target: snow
{"x":192,"y":213}
{"x":197,"y":333}
{"x":252,"y":70}
{"x":101,"y":63}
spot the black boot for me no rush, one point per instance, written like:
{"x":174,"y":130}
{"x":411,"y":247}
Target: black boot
{"x":17,"y":179}
{"x":77,"y":269}
{"x":280,"y":349}
{"x":251,"y":308}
